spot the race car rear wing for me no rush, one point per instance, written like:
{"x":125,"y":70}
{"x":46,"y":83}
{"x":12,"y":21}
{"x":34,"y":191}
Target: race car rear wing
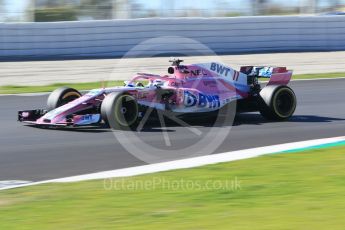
{"x":276,"y":75}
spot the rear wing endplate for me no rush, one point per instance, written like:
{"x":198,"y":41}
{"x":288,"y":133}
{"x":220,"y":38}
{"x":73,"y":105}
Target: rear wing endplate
{"x":276,"y":75}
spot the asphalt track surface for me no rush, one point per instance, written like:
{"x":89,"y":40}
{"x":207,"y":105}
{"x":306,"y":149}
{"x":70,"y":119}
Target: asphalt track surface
{"x":33,"y":154}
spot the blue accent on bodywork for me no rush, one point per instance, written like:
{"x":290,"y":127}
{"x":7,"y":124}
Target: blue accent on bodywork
{"x":265,"y":72}
{"x":243,"y":88}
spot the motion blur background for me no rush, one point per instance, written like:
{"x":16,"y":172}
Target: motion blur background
{"x":106,"y":30}
{"x":79,"y":10}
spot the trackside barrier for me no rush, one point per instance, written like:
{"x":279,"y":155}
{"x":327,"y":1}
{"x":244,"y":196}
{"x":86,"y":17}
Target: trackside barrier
{"x":113,"y":38}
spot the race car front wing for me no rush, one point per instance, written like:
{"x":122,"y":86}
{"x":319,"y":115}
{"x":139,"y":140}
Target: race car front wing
{"x":30,"y":115}
{"x":33,"y":116}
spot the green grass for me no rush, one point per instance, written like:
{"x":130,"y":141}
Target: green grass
{"x":303,"y":190}
{"x":318,"y":75}
{"x":14,"y":89}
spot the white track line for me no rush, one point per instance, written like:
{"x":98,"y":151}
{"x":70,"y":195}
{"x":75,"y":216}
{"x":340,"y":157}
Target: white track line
{"x":190,"y":162}
{"x":46,"y":93}
{"x":7,"y":183}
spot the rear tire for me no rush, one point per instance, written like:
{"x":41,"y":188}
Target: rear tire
{"x":277,"y":102}
{"x":62,"y":96}
{"x":120,"y":111}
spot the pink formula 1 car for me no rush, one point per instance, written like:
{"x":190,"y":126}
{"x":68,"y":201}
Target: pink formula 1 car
{"x":187,"y":89}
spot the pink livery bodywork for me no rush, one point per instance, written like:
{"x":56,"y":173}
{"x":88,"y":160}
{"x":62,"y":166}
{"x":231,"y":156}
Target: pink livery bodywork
{"x":194,"y":88}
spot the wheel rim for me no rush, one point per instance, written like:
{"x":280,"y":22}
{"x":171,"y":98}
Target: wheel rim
{"x":284,"y":103}
{"x":126,"y":110}
{"x":68,"y":97}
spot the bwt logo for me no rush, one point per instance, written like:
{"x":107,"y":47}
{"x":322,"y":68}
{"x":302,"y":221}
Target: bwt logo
{"x":210,"y":101}
{"x":220,"y":69}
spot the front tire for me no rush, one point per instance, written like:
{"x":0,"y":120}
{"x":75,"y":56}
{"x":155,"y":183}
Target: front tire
{"x":120,"y":111}
{"x":277,"y":102}
{"x":61,"y":96}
